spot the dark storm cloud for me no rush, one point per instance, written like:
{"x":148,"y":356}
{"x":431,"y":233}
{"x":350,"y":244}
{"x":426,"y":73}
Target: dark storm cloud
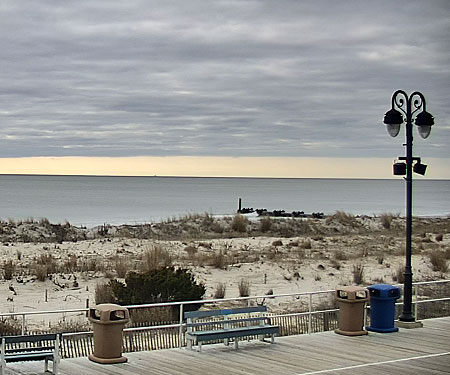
{"x":229,"y":78}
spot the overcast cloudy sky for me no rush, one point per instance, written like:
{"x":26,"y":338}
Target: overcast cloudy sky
{"x":219,"y":78}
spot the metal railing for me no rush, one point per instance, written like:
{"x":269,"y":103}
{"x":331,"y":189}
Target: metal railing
{"x":309,"y":296}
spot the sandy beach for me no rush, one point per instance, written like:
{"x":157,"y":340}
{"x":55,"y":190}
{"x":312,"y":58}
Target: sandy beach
{"x":42,"y":271}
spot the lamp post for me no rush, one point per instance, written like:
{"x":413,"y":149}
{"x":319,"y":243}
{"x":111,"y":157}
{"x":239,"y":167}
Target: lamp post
{"x":414,"y":110}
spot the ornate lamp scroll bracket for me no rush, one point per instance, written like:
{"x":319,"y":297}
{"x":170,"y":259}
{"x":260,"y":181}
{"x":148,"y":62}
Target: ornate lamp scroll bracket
{"x":400,"y":101}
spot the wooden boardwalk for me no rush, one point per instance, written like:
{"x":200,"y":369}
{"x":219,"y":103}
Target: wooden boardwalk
{"x":419,"y":351}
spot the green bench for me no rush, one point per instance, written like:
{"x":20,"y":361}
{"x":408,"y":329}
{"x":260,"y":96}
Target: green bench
{"x":236,"y":323}
{"x":43,"y":347}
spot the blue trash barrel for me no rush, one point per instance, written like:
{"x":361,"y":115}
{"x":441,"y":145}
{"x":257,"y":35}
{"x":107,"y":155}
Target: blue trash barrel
{"x":382,"y":307}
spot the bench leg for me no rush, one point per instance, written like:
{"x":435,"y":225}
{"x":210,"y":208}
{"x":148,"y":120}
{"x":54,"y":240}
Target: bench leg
{"x":199,"y":344}
{"x":46,"y":365}
{"x":189,"y":344}
{"x":261,"y":337}
{"x":272,"y":339}
{"x":2,"y":366}
{"x":226,"y":342}
{"x":236,"y":342}
{"x":56,"y":366}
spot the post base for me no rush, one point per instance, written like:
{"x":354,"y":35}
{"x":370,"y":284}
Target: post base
{"x":408,"y":325}
{"x":107,"y":361}
{"x":382,"y":330}
{"x":351,"y":333}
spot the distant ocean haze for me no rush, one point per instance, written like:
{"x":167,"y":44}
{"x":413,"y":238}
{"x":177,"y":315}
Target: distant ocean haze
{"x":94,"y":200}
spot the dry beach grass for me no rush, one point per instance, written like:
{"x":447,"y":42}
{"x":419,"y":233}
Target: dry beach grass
{"x":53,"y":266}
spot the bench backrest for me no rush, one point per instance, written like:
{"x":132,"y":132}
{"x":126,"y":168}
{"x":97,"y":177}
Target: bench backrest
{"x":209,"y":313}
{"x":31,"y":338}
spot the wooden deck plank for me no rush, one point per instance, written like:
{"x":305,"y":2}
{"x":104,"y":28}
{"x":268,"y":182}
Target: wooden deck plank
{"x":415,"y":351}
{"x":417,"y":367}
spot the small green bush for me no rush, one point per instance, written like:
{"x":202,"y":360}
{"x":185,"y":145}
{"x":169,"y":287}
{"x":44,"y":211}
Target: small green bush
{"x":306,"y":244}
{"x":71,"y":264}
{"x":121,"y":265}
{"x":340,"y":255}
{"x":438,"y":261}
{"x":10,"y":326}
{"x":50,"y":263}
{"x":40,"y":272}
{"x":239,"y":223}
{"x":191,"y":251}
{"x":161,"y":285}
{"x":156,"y":257}
{"x":71,"y":325}
{"x":343,"y":218}
{"x":358,"y":273}
{"x":104,"y":293}
{"x":217,"y":228}
{"x":220,"y":290}
{"x":142,"y":317}
{"x":380,"y":258}
{"x":244,"y":288}
{"x":336,"y":264}
{"x":91,"y":264}
{"x":265,"y":225}
{"x":386,"y":220}
{"x":43,"y":266}
{"x":218,"y":260}
{"x":399,"y":275}
{"x":8,"y":270}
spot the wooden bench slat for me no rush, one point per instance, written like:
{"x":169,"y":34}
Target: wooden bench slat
{"x":243,"y":320}
{"x":235,"y":332}
{"x":30,"y":349}
{"x":209,"y":313}
{"x":30,"y":338}
{"x":35,"y":356}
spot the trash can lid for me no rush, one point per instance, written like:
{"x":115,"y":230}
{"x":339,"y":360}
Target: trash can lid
{"x":108,"y":312}
{"x":383,"y":287}
{"x":382,"y":291}
{"x":109,"y":307}
{"x":351,"y":292}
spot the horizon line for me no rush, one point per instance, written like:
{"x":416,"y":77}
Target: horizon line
{"x":218,"y":177}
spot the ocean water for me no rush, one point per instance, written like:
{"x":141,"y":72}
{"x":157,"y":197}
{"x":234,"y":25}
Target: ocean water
{"x":94,"y":200}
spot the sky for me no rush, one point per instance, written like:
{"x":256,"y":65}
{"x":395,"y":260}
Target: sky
{"x":282,"y":88}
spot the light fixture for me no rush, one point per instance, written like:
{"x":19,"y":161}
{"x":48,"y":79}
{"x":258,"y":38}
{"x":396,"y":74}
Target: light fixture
{"x":399,"y":169}
{"x":420,"y":168}
{"x":424,"y":121}
{"x":393,"y":119}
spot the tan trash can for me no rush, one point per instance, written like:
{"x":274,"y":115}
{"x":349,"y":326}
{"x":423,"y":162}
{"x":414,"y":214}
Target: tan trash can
{"x":351,"y":301}
{"x":108,"y":321}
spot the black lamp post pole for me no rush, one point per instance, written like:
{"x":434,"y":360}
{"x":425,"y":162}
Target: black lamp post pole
{"x":413,"y":105}
{"x":407,"y":315}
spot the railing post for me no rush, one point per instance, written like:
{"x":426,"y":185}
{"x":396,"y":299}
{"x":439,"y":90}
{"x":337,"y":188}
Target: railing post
{"x":180,"y":330}
{"x":365,"y":315}
{"x":310,"y":314}
{"x":416,"y":294}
